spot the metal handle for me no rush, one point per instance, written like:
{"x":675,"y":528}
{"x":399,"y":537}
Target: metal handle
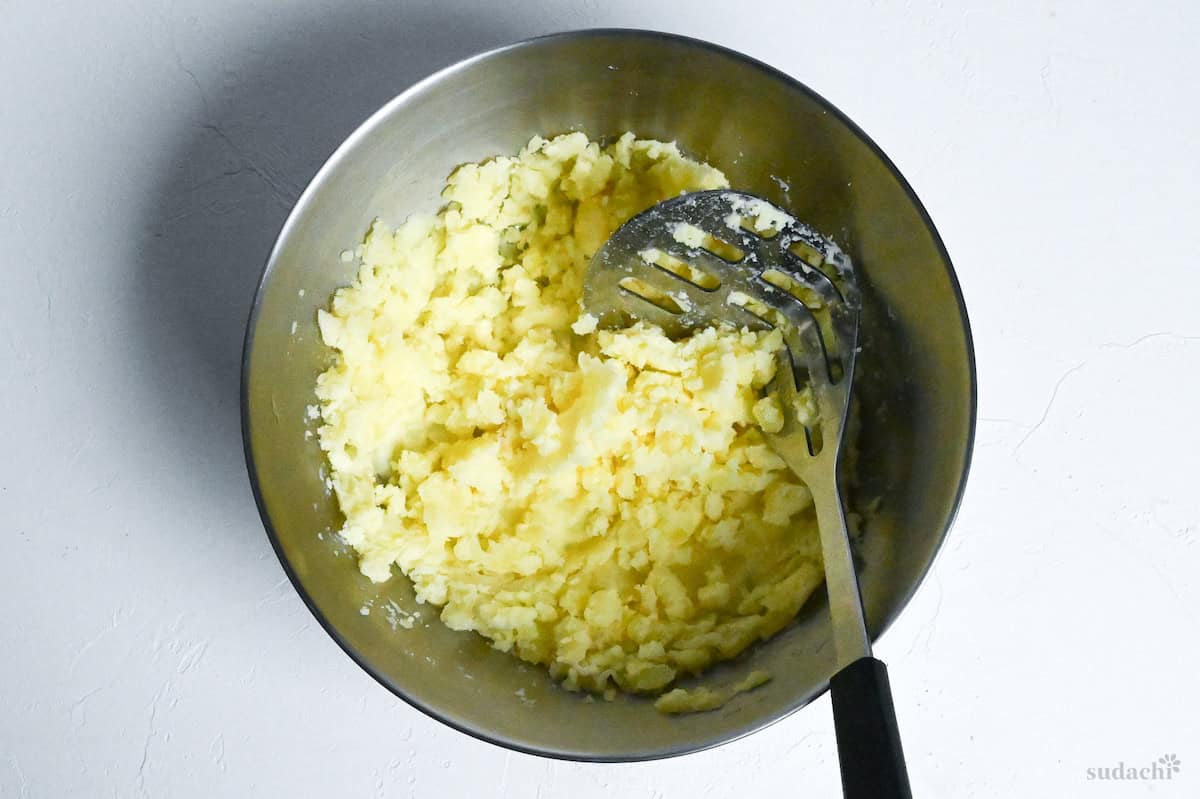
{"x":850,"y":639}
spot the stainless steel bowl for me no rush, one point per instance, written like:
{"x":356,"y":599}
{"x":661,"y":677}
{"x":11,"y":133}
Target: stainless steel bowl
{"x":771,"y":135}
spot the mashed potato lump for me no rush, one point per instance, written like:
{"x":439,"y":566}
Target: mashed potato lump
{"x":598,"y":501}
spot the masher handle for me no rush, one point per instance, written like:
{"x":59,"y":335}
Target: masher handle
{"x":868,"y":739}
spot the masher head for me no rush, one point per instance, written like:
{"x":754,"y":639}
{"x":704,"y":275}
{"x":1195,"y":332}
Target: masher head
{"x":728,"y":257}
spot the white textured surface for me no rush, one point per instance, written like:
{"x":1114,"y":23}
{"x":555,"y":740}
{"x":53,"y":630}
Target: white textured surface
{"x":151,"y":646}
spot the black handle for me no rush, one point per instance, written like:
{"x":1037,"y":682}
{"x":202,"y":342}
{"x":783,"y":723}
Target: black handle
{"x":867,"y":738}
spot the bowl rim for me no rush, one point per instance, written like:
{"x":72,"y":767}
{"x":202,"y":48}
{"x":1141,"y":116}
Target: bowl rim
{"x":342,"y":151}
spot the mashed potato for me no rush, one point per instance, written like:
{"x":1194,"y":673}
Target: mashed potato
{"x":602,"y":502}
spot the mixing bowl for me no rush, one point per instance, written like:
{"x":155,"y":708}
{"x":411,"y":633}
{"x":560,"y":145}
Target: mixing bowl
{"x":770,"y":135}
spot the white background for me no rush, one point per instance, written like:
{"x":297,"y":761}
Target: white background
{"x":149,"y":643}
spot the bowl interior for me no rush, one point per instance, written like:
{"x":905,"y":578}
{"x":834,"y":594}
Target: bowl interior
{"x":771,"y":136}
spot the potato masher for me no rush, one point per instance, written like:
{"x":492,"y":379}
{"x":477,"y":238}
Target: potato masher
{"x":728,"y":257}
